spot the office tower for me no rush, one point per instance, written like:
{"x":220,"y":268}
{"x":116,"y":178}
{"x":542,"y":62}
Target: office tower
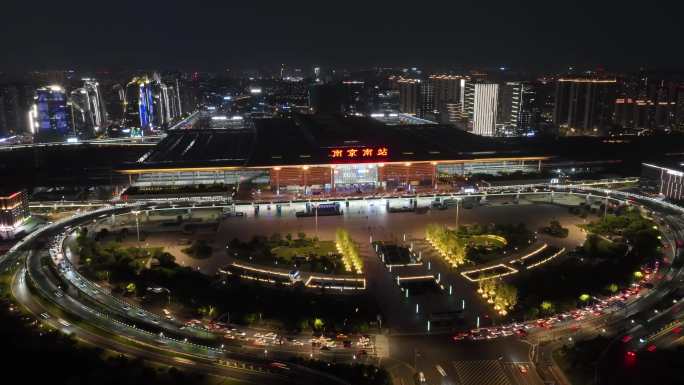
{"x":530,"y":112}
{"x":447,"y":89}
{"x":150,"y":104}
{"x":15,"y":103}
{"x":88,"y":106}
{"x":410,"y":96}
{"x":50,"y":118}
{"x":138,"y":105}
{"x":679,"y":109}
{"x":584,"y":105}
{"x":427,"y":108}
{"x":625,"y":105}
{"x":665,"y":106}
{"x":114,"y":96}
{"x":509,"y":108}
{"x":481,"y":107}
{"x":165,"y":106}
{"x":453,"y":113}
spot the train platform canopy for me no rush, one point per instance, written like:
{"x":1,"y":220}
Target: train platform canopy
{"x":322,"y":140}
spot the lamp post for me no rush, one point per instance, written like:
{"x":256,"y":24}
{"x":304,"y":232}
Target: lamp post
{"x":316,"y":219}
{"x":137,"y":224}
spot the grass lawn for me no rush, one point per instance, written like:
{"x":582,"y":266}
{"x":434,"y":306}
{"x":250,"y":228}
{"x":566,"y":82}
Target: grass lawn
{"x":304,"y":253}
{"x":319,"y":248}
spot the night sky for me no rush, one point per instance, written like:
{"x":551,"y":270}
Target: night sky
{"x":213,"y":35}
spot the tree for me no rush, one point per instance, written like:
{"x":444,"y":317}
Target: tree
{"x":447,"y":242}
{"x":166,"y":259}
{"x":547,"y":308}
{"x":207,"y":311}
{"x":131,"y":288}
{"x":250,"y":318}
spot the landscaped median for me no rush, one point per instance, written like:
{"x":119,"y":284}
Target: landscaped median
{"x":350,"y":252}
{"x":477,"y":244}
{"x":302,"y":253}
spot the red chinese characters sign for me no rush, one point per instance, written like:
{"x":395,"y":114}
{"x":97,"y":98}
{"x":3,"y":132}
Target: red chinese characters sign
{"x":359,"y":154}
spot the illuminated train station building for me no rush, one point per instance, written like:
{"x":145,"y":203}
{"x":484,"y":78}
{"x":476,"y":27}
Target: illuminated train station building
{"x":327,"y":153}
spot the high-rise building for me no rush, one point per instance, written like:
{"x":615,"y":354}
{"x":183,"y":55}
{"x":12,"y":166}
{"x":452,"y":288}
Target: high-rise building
{"x":165,"y":105}
{"x":530,"y":112}
{"x":679,"y":110}
{"x":150,"y":104}
{"x":88,"y":106}
{"x":427,"y":109}
{"x":138,"y":105}
{"x":509,"y":109}
{"x":50,"y":117}
{"x":14,"y":210}
{"x":410,"y":96}
{"x":584,"y":105}
{"x":447,"y":89}
{"x":15,"y":103}
{"x":454,"y":113}
{"x":481,"y":106}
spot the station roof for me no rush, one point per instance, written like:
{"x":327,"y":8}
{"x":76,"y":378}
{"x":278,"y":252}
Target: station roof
{"x":312,"y":139}
{"x":675,"y":164}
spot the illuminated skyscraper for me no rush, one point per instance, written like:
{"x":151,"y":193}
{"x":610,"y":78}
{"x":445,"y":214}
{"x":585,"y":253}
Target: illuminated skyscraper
{"x":150,"y":104}
{"x":584,"y":105}
{"x":88,"y":106}
{"x":481,"y":107}
{"x":410,"y":96}
{"x":139,"y":105}
{"x":447,"y":89}
{"x":50,"y":116}
{"x":509,"y":109}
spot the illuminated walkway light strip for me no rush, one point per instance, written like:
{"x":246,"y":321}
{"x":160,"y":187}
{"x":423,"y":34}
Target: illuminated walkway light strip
{"x":546,"y":259}
{"x":415,"y":277}
{"x":509,"y":272}
{"x":406,"y":264}
{"x":271,"y":272}
{"x":362,"y":281}
{"x":265,"y":280}
{"x":535,"y":252}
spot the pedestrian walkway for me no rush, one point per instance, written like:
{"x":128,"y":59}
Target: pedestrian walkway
{"x":486,"y":372}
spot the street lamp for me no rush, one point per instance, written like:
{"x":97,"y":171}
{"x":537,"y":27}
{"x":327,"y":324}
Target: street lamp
{"x":137,"y":223}
{"x":458,"y":200}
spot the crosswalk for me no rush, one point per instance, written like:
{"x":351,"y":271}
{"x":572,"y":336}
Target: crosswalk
{"x":483,"y":372}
